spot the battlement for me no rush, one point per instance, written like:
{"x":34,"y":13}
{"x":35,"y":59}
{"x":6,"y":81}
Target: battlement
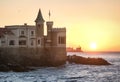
{"x":59,"y":29}
{"x":49,"y":22}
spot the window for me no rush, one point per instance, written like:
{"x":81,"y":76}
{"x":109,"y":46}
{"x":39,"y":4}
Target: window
{"x":32,"y":33}
{"x":2,"y":42}
{"x":32,"y":43}
{"x":61,"y":40}
{"x":22,"y":33}
{"x":11,"y":42}
{"x":39,"y":42}
{"x":38,"y":25}
{"x":22,"y":42}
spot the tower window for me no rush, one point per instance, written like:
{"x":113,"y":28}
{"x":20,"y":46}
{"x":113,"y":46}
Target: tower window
{"x":61,"y":40}
{"x":11,"y":42}
{"x":38,"y":25}
{"x":32,"y":33}
{"x":39,"y":42}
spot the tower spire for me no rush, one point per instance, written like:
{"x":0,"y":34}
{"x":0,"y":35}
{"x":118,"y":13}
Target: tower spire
{"x":39,"y":17}
{"x":49,"y":15}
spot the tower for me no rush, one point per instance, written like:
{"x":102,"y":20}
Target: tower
{"x":49,"y":30}
{"x":39,"y":25}
{"x":39,"y":29}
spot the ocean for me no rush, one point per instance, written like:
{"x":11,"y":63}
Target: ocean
{"x":71,"y":72}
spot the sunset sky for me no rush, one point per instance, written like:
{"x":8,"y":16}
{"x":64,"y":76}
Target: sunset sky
{"x":92,"y":24}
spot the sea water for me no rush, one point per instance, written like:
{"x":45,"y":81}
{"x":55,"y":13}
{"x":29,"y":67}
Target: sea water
{"x":71,"y":72}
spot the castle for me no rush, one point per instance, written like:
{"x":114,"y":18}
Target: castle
{"x":27,"y":44}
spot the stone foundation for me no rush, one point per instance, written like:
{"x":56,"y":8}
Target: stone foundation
{"x":49,"y":56}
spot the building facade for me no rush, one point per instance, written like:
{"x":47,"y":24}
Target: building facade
{"x":28,"y":42}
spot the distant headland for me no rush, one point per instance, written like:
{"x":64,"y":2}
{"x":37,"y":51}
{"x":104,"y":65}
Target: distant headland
{"x":70,"y":49}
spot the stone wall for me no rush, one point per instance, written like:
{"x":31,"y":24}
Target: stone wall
{"x":50,"y":56}
{"x":57,"y":55}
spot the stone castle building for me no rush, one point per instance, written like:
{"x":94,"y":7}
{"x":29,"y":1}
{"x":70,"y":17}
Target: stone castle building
{"x":27,"y":44}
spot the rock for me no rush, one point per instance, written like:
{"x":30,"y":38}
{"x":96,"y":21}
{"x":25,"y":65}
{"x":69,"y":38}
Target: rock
{"x":15,"y":68}
{"x":87,"y":61}
{"x":18,"y":68}
{"x":4,"y":68}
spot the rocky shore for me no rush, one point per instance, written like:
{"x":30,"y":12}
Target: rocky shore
{"x":4,"y":67}
{"x":15,"y":68}
{"x":87,"y":61}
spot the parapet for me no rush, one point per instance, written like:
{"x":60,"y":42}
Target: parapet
{"x":49,"y":23}
{"x":59,"y":29}
{"x":19,"y":26}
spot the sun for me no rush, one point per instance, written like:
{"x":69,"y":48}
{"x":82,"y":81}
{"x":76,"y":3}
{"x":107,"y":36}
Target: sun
{"x":93,"y":45}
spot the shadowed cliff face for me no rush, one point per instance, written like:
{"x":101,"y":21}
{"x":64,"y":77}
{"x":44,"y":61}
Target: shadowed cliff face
{"x":87,"y":61}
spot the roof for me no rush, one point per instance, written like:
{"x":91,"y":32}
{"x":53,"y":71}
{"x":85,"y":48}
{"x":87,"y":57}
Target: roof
{"x":20,"y":26}
{"x":4,"y":31}
{"x":39,"y":17}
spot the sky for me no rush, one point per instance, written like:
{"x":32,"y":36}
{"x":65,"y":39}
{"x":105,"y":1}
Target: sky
{"x":92,"y":24}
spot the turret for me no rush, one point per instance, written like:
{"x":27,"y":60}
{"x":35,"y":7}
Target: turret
{"x":39,"y":24}
{"x":49,"y":29}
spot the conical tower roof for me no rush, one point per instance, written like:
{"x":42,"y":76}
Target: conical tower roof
{"x":39,"y":17}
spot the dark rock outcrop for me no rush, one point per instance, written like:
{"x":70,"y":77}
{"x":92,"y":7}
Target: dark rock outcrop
{"x":87,"y":61}
{"x":15,"y":68}
{"x":4,"y":68}
{"x":18,"y":68}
